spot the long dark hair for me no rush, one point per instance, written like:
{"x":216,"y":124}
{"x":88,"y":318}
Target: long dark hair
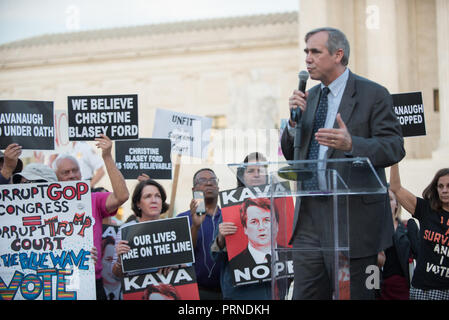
{"x":137,"y":194}
{"x":430,"y":193}
{"x":255,"y":156}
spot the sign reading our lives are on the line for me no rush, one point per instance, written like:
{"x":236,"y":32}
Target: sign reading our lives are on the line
{"x":409,"y":110}
{"x":114,"y":116}
{"x":150,"y":156}
{"x":28,"y":123}
{"x":156,"y":244}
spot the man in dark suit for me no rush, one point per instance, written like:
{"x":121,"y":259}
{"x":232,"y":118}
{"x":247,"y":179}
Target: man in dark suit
{"x":357,"y":121}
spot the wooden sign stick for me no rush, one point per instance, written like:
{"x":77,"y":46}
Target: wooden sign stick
{"x":174,"y":186}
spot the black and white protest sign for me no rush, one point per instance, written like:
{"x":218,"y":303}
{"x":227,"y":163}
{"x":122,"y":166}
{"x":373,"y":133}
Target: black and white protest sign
{"x":28,"y":123}
{"x":114,"y":116}
{"x":156,"y":244}
{"x":409,"y":110}
{"x":150,"y":156}
{"x":189,"y":134}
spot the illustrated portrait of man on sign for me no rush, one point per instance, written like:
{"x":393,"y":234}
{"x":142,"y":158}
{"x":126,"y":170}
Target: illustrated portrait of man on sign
{"x":256,"y":220}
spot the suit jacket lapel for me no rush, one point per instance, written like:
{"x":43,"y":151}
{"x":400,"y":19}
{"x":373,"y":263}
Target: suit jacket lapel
{"x":347,"y":104}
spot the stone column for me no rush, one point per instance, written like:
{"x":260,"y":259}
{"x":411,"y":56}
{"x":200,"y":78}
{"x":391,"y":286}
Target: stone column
{"x":442,"y":10}
{"x":381,"y":43}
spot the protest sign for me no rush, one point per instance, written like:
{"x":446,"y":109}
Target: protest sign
{"x":156,"y":244}
{"x":178,"y":284}
{"x":150,"y":156}
{"x":249,"y":208}
{"x":189,"y":134}
{"x":46,"y":235}
{"x":111,"y":284}
{"x":114,"y":116}
{"x":409,"y":110}
{"x":28,"y":123}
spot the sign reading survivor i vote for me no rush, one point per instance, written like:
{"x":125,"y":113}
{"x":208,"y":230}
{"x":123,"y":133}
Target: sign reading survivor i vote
{"x":28,"y":123}
{"x":150,"y":156}
{"x":113,"y":116}
{"x":46,"y":235}
{"x":156,"y":244}
{"x":409,"y":110}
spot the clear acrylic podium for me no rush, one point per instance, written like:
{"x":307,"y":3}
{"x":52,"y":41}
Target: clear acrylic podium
{"x":325,"y":186}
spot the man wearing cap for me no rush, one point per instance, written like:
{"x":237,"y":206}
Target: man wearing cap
{"x":35,"y":172}
{"x":10,"y":162}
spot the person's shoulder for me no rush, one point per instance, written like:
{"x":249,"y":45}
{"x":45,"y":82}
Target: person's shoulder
{"x":242,"y":256}
{"x":185,"y":213}
{"x":99,"y":196}
{"x":365,"y":83}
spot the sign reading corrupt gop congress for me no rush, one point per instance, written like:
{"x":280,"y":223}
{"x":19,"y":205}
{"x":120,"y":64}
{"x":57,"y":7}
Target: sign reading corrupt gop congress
{"x":114,"y":116}
{"x":46,"y":238}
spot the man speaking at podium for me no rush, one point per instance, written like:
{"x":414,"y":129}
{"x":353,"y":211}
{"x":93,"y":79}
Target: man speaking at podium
{"x":343,"y":116}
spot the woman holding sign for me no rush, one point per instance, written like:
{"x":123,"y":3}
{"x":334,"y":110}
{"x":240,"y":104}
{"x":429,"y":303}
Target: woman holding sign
{"x":431,"y":276}
{"x":148,"y":203}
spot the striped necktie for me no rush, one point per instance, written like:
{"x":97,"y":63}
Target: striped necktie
{"x":314,"y":147}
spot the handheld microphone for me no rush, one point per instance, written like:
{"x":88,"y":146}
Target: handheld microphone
{"x":295,"y":114}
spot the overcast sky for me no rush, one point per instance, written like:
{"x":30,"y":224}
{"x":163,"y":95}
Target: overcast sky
{"x":26,"y":18}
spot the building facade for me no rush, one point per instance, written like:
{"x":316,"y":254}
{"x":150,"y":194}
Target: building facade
{"x":240,"y":71}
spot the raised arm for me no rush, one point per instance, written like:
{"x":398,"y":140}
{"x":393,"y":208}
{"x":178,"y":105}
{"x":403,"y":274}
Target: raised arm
{"x":405,"y":197}
{"x":120,"y":192}
{"x":11,"y":157}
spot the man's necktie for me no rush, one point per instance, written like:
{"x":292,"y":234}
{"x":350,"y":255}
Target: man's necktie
{"x":314,"y":147}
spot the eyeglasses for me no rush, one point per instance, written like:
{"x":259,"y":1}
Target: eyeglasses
{"x":204,"y":181}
